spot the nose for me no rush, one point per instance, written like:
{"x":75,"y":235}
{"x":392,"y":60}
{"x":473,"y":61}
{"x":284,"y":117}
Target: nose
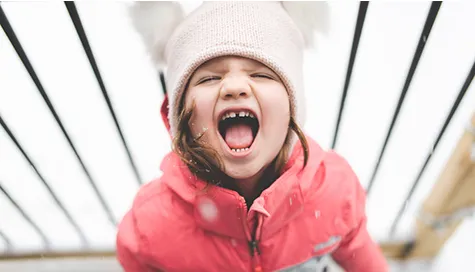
{"x":235,"y":88}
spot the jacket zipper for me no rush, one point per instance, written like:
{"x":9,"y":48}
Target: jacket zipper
{"x":255,"y":252}
{"x":253,"y":240}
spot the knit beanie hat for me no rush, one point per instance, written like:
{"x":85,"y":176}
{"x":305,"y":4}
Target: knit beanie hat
{"x":273,"y":33}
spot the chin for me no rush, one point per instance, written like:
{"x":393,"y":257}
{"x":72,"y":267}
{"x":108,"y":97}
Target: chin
{"x":242,"y":172}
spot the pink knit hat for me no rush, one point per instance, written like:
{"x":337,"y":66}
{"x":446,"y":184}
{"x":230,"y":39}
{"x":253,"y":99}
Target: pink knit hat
{"x":273,"y":33}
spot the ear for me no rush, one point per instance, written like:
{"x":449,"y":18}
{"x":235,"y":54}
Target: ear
{"x":310,"y":17}
{"x":155,"y":22}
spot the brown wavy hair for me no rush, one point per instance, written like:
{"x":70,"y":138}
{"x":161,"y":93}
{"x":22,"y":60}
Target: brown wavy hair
{"x":205,"y":163}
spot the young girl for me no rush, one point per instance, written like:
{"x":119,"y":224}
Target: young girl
{"x":243,"y":189}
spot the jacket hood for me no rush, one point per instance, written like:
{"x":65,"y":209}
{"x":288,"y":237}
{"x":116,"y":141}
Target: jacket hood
{"x":164,"y":112}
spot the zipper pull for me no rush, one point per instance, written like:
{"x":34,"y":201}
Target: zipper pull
{"x":254,"y":247}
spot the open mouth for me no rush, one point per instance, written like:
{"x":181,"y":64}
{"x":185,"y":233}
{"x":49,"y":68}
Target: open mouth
{"x":238,"y":129}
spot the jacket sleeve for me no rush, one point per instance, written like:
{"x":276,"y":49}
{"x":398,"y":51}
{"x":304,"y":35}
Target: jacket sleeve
{"x":358,"y":252}
{"x":127,"y":244}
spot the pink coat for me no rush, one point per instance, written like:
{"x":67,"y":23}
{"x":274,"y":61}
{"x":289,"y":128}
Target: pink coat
{"x":177,"y":225}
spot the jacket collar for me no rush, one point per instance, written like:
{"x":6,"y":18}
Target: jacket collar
{"x":223,"y":211}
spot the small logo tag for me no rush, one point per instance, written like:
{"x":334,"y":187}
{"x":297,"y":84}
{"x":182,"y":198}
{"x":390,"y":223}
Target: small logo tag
{"x":331,"y":241}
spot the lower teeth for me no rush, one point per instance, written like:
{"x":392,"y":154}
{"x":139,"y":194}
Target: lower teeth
{"x":240,"y":149}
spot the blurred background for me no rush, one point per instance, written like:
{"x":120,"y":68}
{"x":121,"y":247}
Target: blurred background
{"x":389,"y":87}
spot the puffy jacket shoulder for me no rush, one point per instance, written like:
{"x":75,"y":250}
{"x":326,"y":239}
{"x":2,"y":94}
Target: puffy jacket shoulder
{"x":357,"y":251}
{"x":346,"y":187}
{"x":152,"y":228}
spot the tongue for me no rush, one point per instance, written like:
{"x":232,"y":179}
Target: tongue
{"x":239,"y":136}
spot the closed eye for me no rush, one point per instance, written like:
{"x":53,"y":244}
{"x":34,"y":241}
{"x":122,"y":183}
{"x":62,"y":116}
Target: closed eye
{"x":261,"y":76}
{"x":207,"y":79}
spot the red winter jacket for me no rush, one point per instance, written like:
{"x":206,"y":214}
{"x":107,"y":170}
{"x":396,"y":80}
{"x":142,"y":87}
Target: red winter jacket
{"x":308,"y":213}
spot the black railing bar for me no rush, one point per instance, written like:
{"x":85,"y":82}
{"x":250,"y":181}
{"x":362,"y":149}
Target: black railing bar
{"x":73,"y":13}
{"x":7,"y":240}
{"x":162,"y":82}
{"x":449,"y":117}
{"x":354,"y":49}
{"x":26,"y":62}
{"x":434,"y":9}
{"x":44,"y":238}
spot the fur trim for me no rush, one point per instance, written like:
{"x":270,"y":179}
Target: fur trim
{"x":310,"y":17}
{"x":155,"y":22}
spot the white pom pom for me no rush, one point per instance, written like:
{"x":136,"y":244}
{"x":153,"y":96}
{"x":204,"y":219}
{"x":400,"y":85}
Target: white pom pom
{"x":310,"y":17}
{"x":156,"y":21}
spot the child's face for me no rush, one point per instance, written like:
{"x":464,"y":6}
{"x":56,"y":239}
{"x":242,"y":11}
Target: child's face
{"x":244,"y":109}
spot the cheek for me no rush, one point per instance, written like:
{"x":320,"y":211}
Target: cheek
{"x":276,"y":107}
{"x":202,"y":113}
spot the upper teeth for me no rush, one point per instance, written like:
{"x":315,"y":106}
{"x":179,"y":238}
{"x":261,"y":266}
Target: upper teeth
{"x":237,"y":114}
